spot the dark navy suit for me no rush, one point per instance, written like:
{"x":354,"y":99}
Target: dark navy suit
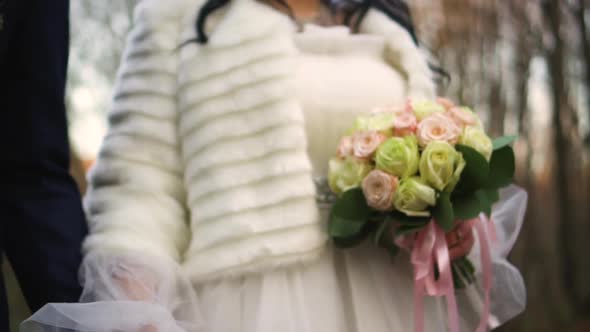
{"x":41,"y":220}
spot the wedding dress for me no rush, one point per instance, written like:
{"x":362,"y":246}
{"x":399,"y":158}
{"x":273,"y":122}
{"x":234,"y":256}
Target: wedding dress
{"x":338,"y":76}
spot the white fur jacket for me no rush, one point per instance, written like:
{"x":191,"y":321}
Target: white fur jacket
{"x":181,"y":175}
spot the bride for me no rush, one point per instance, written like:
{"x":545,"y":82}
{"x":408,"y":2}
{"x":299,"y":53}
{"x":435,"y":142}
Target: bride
{"x":208,"y":202}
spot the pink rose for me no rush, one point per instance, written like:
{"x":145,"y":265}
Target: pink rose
{"x":462,"y":116}
{"x":379,"y":188}
{"x":345,"y":147}
{"x":437,"y":127}
{"x":446,"y":103}
{"x":365,"y":143}
{"x":404,"y":124}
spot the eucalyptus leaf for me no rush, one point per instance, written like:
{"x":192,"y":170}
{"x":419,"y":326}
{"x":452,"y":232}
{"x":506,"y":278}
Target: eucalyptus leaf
{"x":392,"y":249}
{"x":476,"y":172}
{"x":503,"y":141}
{"x":350,"y":242}
{"x":469,"y":265}
{"x":384,"y":238}
{"x":403,"y":230}
{"x":349,"y":214}
{"x":443,"y":212}
{"x":466,"y":268}
{"x":466,"y":207}
{"x":457,"y":278}
{"x":403,"y":219}
{"x":493,"y":195}
{"x":502,"y":168}
{"x":381,"y":233}
{"x":485,"y":204}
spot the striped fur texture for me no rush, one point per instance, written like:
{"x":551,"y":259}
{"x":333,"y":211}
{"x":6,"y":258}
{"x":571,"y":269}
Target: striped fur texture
{"x":205,"y":160}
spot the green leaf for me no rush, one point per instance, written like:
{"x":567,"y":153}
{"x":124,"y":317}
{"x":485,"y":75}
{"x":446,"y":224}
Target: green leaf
{"x":384,"y":238}
{"x":349,"y":214}
{"x":502,"y":168}
{"x":485,"y":204}
{"x":468,"y":265}
{"x":403,"y":219}
{"x":406,"y":224}
{"x":466,"y":207}
{"x":403,"y":230}
{"x":381,"y":231}
{"x":392,"y":249}
{"x":503,"y":141}
{"x":344,"y":228}
{"x":352,"y":241}
{"x":443,"y":212}
{"x":492,"y":194}
{"x":465,"y":269}
{"x":476,"y":172}
{"x":457,"y":277}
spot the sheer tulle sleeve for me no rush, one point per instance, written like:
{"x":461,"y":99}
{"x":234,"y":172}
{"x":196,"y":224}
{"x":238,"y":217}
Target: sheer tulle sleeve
{"x":508,"y":293}
{"x":131,"y":293}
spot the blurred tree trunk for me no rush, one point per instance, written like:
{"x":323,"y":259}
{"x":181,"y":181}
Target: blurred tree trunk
{"x":489,"y":47}
{"x":585,"y":43}
{"x":497,"y":108}
{"x":494,"y":71}
{"x":525,"y":48}
{"x":564,"y":162}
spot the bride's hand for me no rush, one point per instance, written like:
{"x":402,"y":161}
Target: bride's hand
{"x":148,"y":328}
{"x":460,"y":240}
{"x":134,"y":289}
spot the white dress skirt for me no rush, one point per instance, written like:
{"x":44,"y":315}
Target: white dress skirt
{"x":339,"y":76}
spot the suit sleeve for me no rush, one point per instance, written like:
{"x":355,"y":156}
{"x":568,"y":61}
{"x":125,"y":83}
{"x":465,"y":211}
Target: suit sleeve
{"x":136,"y":197}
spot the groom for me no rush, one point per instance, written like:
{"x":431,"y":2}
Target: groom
{"x":41,"y":220}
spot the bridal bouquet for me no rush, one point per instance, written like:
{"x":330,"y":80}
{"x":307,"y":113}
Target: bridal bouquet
{"x":406,"y":176}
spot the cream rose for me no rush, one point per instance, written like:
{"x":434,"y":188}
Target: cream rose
{"x":477,"y":139}
{"x":441,"y":165}
{"x":413,"y":197}
{"x":346,"y":174}
{"x":398,"y":156}
{"x":437,"y":127}
{"x":379,"y":188}
{"x":423,"y":109}
{"x":365,"y":143}
{"x":345,"y":147}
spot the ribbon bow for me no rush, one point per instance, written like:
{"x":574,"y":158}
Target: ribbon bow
{"x":429,"y":250}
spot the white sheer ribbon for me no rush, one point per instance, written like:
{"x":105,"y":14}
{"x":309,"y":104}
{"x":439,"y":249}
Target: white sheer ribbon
{"x":508,"y":293}
{"x":125,"y":292}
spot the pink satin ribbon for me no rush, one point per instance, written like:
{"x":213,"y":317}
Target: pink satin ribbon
{"x":429,"y":248}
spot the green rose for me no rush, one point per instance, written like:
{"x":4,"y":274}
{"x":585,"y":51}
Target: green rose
{"x":413,"y":197}
{"x":477,"y":139}
{"x":441,"y":165}
{"x":398,"y":156}
{"x":381,"y":122}
{"x":425,"y":108}
{"x":346,"y":174}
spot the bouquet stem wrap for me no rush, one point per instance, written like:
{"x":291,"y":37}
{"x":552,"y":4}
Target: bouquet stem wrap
{"x":429,"y":249}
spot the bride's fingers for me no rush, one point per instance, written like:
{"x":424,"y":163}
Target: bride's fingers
{"x":455,"y":236}
{"x":463,"y":247}
{"x":134,"y":289}
{"x":148,"y":328}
